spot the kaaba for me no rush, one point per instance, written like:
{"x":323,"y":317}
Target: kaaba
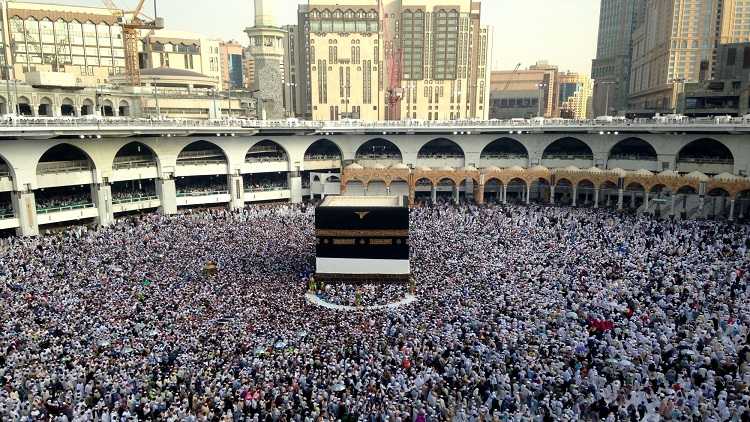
{"x":362,"y":239}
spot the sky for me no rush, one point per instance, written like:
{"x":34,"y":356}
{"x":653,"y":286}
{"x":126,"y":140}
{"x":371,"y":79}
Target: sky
{"x":563,"y":32}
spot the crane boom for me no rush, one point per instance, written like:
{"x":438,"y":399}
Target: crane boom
{"x":131,"y":36}
{"x":518,"y":66}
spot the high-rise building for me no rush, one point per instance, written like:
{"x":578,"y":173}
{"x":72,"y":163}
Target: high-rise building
{"x":611,"y":68}
{"x":84,"y":43}
{"x":574,"y":96}
{"x":232,"y":65}
{"x":675,"y":42}
{"x":418,"y":59}
{"x":181,"y":50}
{"x":292,"y":75}
{"x":267,"y":50}
{"x":303,"y":63}
{"x":248,"y":68}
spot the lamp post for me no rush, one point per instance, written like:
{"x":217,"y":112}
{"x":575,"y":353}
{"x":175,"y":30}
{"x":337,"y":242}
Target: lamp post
{"x":290,"y":103}
{"x":542,"y":86}
{"x":156,"y":99}
{"x":8,"y":101}
{"x":676,"y":83}
{"x":606,"y":101}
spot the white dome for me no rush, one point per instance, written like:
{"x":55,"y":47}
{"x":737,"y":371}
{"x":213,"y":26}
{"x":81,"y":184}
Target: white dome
{"x":594,"y":170}
{"x":515,"y":168}
{"x":491,"y":169}
{"x":447,"y":168}
{"x":698,"y":176}
{"x":354,"y":166}
{"x":669,"y":173}
{"x":399,"y":166}
{"x":569,"y":169}
{"x":643,"y":172}
{"x":618,"y":171}
{"x":377,"y":167}
{"x":539,"y":168}
{"x":727,"y":177}
{"x":423,"y":168}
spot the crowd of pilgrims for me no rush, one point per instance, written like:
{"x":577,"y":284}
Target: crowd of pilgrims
{"x":362,"y":294}
{"x":523,"y":313}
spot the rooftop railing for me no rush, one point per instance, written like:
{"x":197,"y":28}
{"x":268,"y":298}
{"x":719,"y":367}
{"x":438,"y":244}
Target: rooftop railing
{"x":457,"y":125}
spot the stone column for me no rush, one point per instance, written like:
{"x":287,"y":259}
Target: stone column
{"x":295,"y":186}
{"x":24,"y":205}
{"x":632,"y":200}
{"x":433,"y":194}
{"x":469,"y":192}
{"x":479,"y":194}
{"x":731,"y":209}
{"x":645,"y":200}
{"x":528,"y":193}
{"x":596,"y":197}
{"x":620,"y":199}
{"x":552,"y":194}
{"x":167,"y":193}
{"x":412,"y":195}
{"x":673,"y":209}
{"x":102,"y":195}
{"x":456,"y":194}
{"x":575,"y":195}
{"x":505,"y":193}
{"x":236,"y":192}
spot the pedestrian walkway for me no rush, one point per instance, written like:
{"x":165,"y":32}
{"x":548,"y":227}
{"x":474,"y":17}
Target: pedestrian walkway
{"x":315,"y":300}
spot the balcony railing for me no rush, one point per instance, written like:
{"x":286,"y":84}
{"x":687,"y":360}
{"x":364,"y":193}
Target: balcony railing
{"x":705,"y":160}
{"x":184,"y":194}
{"x":55,"y":167}
{"x":567,"y":157}
{"x":140,"y":161}
{"x":134,"y":199}
{"x":266,"y":189}
{"x":64,"y":208}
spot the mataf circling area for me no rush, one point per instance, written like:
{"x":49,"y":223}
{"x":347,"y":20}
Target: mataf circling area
{"x":522,"y":312}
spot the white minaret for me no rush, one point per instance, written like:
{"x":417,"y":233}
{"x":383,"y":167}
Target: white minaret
{"x":264,"y":13}
{"x":267,"y":49}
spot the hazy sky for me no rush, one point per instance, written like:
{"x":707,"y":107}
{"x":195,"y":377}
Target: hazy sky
{"x":560,"y":31}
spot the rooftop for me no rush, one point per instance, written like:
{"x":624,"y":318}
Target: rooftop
{"x":362,"y":201}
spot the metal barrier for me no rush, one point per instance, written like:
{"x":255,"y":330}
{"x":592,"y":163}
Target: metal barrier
{"x":186,"y":194}
{"x":458,"y":125}
{"x":65,"y":208}
{"x":134,"y":199}
{"x":54,"y":167}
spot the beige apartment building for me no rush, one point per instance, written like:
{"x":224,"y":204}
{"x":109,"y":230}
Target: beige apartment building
{"x":675,"y":42}
{"x":524,"y":93}
{"x":436,"y":51}
{"x":181,"y":50}
{"x":84,"y":43}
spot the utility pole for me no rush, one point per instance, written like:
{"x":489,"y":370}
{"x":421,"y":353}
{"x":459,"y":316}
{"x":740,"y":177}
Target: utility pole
{"x":156,"y":99}
{"x":8,"y":101}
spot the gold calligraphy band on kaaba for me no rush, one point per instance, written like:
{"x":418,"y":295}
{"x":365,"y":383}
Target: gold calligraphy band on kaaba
{"x":361,"y":233}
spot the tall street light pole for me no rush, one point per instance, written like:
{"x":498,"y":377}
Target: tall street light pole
{"x":542,"y":86}
{"x":607,"y":84}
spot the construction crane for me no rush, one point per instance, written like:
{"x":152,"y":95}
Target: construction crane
{"x":393,"y":59}
{"x":507,"y":84}
{"x":132,"y":22}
